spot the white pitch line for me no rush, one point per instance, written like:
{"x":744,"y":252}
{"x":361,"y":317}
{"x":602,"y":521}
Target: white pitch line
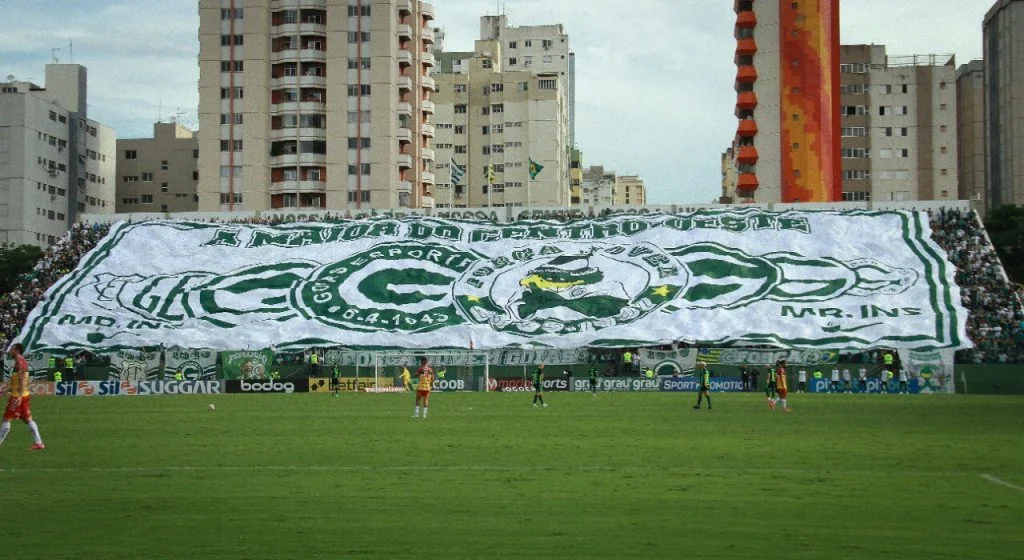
{"x":1002,"y":482}
{"x":478,"y":468}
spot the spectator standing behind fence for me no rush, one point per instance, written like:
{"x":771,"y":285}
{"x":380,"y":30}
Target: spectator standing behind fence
{"x":627,"y":362}
{"x":744,"y":378}
{"x":314,"y":363}
{"x":753,"y":378}
{"x":801,"y":381}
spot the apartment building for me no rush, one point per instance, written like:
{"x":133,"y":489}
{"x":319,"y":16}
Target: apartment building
{"x":970,"y":123}
{"x":506,"y":131}
{"x":159,"y":173}
{"x":601,"y":187}
{"x":55,"y":162}
{"x":899,"y":128}
{"x":787,"y":82}
{"x":315,"y":104}
{"x":575,"y":176}
{"x":540,"y":49}
{"x":1003,"y":30}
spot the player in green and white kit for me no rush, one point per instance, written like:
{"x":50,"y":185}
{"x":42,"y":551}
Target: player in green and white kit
{"x":770,"y":386}
{"x":704,"y":389}
{"x":538,"y":385}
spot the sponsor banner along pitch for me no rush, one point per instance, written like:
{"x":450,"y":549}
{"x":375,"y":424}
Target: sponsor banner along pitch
{"x":851,"y":279}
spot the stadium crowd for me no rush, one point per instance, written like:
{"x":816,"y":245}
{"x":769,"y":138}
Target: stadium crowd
{"x":995,"y":322}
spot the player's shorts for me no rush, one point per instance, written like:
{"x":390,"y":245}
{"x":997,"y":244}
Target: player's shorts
{"x":537,"y":388}
{"x":425,"y":393}
{"x":782,"y":392}
{"x":16,"y":410}
{"x":703,"y":389}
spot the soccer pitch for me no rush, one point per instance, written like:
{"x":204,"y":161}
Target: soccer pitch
{"x":620,"y":475}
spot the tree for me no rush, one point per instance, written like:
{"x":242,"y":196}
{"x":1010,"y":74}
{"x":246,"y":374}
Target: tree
{"x":1005,"y":226}
{"x":15,"y":261}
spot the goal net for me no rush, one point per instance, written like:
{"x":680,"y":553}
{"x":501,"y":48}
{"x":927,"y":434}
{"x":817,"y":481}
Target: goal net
{"x":456,"y":371}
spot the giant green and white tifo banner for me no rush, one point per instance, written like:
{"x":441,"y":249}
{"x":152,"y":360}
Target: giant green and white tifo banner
{"x":853,"y":279}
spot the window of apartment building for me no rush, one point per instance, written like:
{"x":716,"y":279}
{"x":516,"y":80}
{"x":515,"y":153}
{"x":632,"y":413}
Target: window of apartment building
{"x":528,"y":43}
{"x":523,"y":86}
{"x":901,"y":110}
{"x":546,"y":59}
{"x":231,"y":65}
{"x":164,"y":165}
{"x":124,"y":200}
{"x":147,"y":176}
{"x":497,"y":87}
{"x":231,"y":13}
{"x":231,"y":93}
{"x":225,"y":198}
{"x":884,"y":110}
{"x":459,"y":129}
{"x":855,"y":68}
{"x":512,"y":61}
{"x":498,"y":148}
{"x":497,"y":129}
{"x":547,"y":84}
{"x":146,"y":199}
{"x":511,"y":44}
{"x":358,"y":90}
{"x":942,"y":149}
{"x":225,"y":40}
{"x":856,"y":174}
{"x":164,"y":187}
{"x":130,"y":179}
{"x":313,"y":121}
{"x":361,"y":196}
{"x":359,"y":116}
{"x":904,"y":88}
{"x":943,"y":171}
{"x":852,"y":132}
{"x":485,"y":110}
{"x":901,"y":153}
{"x":225,"y":118}
{"x":942,"y":106}
{"x":195,"y":175}
{"x":358,"y":37}
{"x":527,"y":60}
{"x":460,"y":88}
{"x":460,"y":148}
{"x":53,"y":116}
{"x":226,"y":171}
{"x":362,"y":169}
{"x":486,"y":150}
{"x":231,"y":145}
{"x":130,"y":154}
{"x":356,"y":143}
{"x":485,"y":129}
{"x":498,"y":108}
{"x":356,"y":11}
{"x":460,"y":109}
{"x":854,"y":153}
{"x":290,"y":174}
{"x":853,"y":89}
{"x":486,"y":63}
{"x":359,"y":63}
{"x":885,"y":88}
{"x":856,"y":196}
{"x":852,"y":110}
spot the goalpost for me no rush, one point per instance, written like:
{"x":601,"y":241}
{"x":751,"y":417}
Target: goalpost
{"x":463,"y":370}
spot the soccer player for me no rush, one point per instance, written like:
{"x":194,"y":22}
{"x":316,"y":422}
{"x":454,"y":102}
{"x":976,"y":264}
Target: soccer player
{"x":862,"y":381}
{"x":593,"y":379}
{"x":770,"y":387}
{"x":406,"y":378}
{"x":18,"y":402}
{"x":538,"y":385}
{"x":426,"y":376}
{"x":781,"y":385}
{"x":884,"y":378}
{"x":802,"y":380}
{"x":903,"y":381}
{"x":704,"y":390}
{"x":846,"y":379}
{"x":834,"y":385}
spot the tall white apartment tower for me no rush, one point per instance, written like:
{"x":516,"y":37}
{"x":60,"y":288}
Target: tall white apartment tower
{"x":315,"y":104}
{"x":539,"y":49}
{"x":55,"y":162}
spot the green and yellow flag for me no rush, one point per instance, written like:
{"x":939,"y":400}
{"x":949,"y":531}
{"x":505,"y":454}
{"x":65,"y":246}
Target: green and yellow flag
{"x":490,"y":174}
{"x":535,"y":169}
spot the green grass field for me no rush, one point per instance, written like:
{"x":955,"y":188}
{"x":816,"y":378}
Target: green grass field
{"x":487,"y":476}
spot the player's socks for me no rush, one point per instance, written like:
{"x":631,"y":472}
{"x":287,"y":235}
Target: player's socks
{"x":5,"y":428}
{"x":709,"y":402}
{"x":784,"y":405}
{"x":417,"y":413}
{"x":425,"y":409}
{"x":699,"y":397}
{"x":34,"y":428}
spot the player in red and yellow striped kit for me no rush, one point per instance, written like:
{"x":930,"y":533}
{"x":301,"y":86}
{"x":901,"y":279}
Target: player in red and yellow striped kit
{"x":781,"y":386}
{"x":18,"y":403}
{"x":426,"y":376}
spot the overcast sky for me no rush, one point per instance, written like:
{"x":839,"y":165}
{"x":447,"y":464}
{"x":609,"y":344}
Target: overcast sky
{"x":654,"y":78}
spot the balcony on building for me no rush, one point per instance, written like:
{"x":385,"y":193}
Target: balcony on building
{"x":427,"y":106}
{"x":404,"y":186}
{"x":428,"y":59}
{"x":404,"y":31}
{"x":427,"y":154}
{"x":404,"y":134}
{"x":745,"y":101}
{"x":746,"y":20}
{"x":404,"y":161}
{"x":746,"y":47}
{"x":748,"y":127}
{"x":743,"y":6}
{"x":404,"y":6}
{"x":427,"y":177}
{"x":426,"y":10}
{"x":747,"y":182}
{"x":746,"y":74}
{"x":427,"y":130}
{"x":404,"y":56}
{"x":428,"y":83}
{"x":746,"y":155}
{"x":404,"y":108}
{"x":404,"y":83}
{"x":428,"y":34}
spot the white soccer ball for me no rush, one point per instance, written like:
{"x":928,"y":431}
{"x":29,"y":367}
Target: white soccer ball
{"x":212,"y":408}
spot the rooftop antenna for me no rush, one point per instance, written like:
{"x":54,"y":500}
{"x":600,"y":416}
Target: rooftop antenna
{"x":160,"y":111}
{"x":53,"y":56}
{"x":71,"y":51}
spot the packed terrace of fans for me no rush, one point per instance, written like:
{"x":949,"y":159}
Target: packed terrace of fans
{"x":995,"y":323}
